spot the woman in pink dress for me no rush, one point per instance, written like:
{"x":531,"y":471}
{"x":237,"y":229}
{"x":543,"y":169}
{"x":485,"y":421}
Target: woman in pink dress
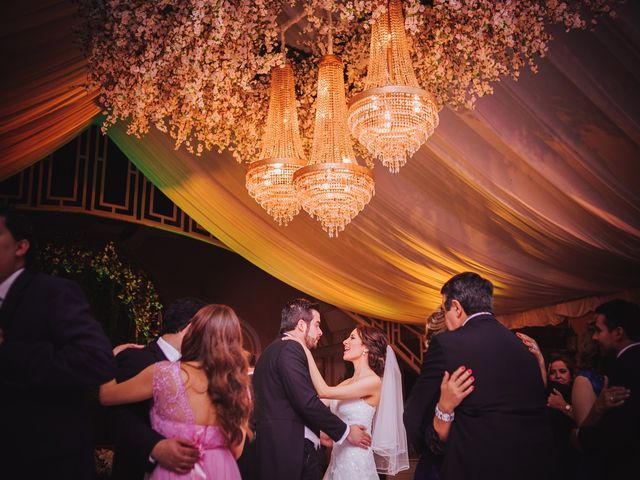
{"x":203,"y":398}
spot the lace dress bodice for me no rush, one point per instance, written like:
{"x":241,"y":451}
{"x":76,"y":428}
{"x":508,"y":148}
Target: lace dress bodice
{"x":349,"y":462}
{"x":172,"y":416}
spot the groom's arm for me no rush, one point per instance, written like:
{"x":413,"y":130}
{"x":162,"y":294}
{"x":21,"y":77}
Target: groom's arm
{"x":294,"y":372}
{"x":418,"y":412}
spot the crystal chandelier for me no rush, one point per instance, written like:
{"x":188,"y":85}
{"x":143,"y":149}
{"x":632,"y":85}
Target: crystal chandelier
{"x":393,"y":116}
{"x":333,"y":188}
{"x":269,"y":179}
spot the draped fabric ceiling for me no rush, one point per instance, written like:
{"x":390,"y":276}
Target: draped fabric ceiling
{"x":537,"y":189}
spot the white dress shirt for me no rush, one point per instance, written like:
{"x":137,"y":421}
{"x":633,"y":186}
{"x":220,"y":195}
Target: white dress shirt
{"x":169,"y":351}
{"x":475,"y":315}
{"x":623,"y":350}
{"x":6,"y":285}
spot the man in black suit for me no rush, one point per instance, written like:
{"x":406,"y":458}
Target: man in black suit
{"x":137,"y":446}
{"x":52,"y":353}
{"x":611,"y":432}
{"x":289,"y":415}
{"x":500,"y":429}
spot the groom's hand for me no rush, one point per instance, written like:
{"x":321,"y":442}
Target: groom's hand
{"x":325,"y":440}
{"x":359,"y":437}
{"x":176,"y":455}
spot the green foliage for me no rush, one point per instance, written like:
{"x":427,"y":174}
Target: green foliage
{"x":114,"y":289}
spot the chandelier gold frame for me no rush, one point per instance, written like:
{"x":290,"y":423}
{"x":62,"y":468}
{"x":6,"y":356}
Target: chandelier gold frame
{"x":269,"y":179}
{"x":333,"y":188}
{"x":393,"y":116}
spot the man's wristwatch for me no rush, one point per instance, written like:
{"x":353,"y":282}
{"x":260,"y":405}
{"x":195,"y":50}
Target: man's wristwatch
{"x":445,"y":417}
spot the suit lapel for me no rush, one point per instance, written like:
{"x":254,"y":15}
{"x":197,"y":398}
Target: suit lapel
{"x":14,"y":295}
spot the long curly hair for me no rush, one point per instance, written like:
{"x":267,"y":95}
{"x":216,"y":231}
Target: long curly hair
{"x":375,"y":341}
{"x":215,"y":340}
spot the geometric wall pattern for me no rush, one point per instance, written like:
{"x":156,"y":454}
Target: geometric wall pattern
{"x":91,"y":175}
{"x":407,"y":341}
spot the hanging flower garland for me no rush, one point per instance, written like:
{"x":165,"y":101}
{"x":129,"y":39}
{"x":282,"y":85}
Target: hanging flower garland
{"x":132,"y":289}
{"x":199,"y":69}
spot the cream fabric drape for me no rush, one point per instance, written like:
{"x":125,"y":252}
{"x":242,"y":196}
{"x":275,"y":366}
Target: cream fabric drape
{"x":537,"y":189}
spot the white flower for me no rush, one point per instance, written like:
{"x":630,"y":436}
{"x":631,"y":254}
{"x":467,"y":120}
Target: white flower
{"x":199,"y":70}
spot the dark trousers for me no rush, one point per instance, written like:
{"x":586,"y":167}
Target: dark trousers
{"x":313,"y":462}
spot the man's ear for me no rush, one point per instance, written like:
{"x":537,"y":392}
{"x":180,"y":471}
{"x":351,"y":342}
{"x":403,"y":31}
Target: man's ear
{"x":618,"y":333}
{"x":457,"y":308}
{"x":23,"y":247}
{"x":301,"y":326}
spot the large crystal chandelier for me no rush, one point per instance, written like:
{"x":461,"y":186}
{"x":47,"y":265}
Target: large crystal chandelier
{"x":269,"y":179}
{"x":393,"y":116}
{"x":333,"y":188}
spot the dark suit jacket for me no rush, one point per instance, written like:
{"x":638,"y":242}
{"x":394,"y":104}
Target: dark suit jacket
{"x":53,"y":353}
{"x":616,"y":440}
{"x":500,"y":429}
{"x":134,"y":438}
{"x":285,"y":401}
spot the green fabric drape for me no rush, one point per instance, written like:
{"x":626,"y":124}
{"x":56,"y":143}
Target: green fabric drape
{"x":537,"y":189}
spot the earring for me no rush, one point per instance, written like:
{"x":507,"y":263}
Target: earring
{"x":365,"y":352}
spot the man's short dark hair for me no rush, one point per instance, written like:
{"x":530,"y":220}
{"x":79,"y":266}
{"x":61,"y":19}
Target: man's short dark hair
{"x":179,"y":314}
{"x":474,"y":293}
{"x":22,"y":229}
{"x":624,"y":314}
{"x":296,"y":310}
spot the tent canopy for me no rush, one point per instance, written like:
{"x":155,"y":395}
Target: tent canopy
{"x":536,"y":189}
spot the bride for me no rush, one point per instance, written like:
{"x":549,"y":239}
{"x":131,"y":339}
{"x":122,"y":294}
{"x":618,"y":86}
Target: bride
{"x":371,"y":397}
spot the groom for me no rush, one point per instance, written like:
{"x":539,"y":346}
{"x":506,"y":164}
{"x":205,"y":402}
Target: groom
{"x":289,"y":414}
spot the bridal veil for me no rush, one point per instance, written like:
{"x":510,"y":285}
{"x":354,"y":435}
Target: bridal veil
{"x":389,"y":439}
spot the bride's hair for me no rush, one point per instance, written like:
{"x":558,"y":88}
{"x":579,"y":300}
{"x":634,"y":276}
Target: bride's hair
{"x":375,"y":341}
{"x":215,"y":340}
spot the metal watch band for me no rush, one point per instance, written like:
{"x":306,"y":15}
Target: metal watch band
{"x":445,"y":417}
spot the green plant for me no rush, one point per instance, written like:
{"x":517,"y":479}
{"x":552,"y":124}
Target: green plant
{"x":113,"y":287}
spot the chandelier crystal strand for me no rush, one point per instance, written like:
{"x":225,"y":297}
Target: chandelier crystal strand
{"x":269,"y":179}
{"x":393,"y":116}
{"x":333,"y":188}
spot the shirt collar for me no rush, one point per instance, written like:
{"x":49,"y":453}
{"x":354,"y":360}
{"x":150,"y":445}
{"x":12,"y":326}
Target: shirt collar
{"x":169,"y":351}
{"x":6,"y":285}
{"x":627,"y":348}
{"x":475,"y":315}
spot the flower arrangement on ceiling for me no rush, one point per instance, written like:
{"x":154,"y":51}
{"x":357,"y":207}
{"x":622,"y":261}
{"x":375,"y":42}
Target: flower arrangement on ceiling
{"x":199,"y":69}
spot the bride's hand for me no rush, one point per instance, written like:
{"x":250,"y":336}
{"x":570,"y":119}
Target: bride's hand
{"x":454,"y":388}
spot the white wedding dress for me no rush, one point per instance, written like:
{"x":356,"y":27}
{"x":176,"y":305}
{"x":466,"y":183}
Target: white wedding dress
{"x":347,"y":461}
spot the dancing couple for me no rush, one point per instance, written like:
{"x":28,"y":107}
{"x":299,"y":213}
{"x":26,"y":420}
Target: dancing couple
{"x":292,"y":421}
{"x":205,"y":400}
